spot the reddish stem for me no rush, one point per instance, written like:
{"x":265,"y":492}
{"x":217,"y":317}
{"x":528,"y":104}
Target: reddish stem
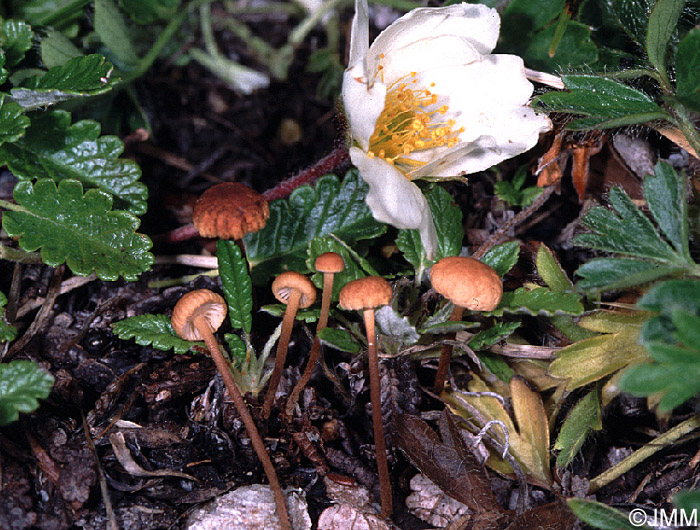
{"x":376,"y":399}
{"x":446,"y":353}
{"x":200,"y":322}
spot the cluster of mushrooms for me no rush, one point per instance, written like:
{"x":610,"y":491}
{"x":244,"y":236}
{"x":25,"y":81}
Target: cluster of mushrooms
{"x":231,"y":210}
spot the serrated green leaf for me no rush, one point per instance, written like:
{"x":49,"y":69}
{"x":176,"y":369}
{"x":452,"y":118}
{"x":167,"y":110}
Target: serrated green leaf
{"x":13,"y":122}
{"x":583,"y":418}
{"x":352,"y":271}
{"x":629,"y":232}
{"x":632,"y":16}
{"x":600,"y":98}
{"x":237,"y":349}
{"x":82,"y":76}
{"x":602,"y":516}
{"x":587,"y":124}
{"x":665,"y":195}
{"x":3,"y":72}
{"x":309,"y":315}
{"x":662,"y":24}
{"x":78,"y":229}
{"x":339,"y":339}
{"x":540,"y":301}
{"x":328,"y":208}
{"x":688,"y":70}
{"x":576,"y":48}
{"x":236,"y":283}
{"x":151,"y":330}
{"x":673,"y":295}
{"x":112,"y":28}
{"x":15,"y":40}
{"x":687,"y":328}
{"x":496,"y":333}
{"x":451,"y":326}
{"x":497,"y":366}
{"x":57,"y":49}
{"x":551,"y":272}
{"x":7,"y":332}
{"x":605,"y":274}
{"x":676,"y":382}
{"x":670,"y":354}
{"x":448,"y":225}
{"x":53,"y":148}
{"x":526,"y":15}
{"x":49,"y":12}
{"x":22,"y":384}
{"x":149,"y":11}
{"x":688,"y":501}
{"x":502,"y":257}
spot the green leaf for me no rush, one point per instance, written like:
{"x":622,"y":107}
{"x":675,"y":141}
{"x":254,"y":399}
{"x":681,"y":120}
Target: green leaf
{"x":665,"y":194}
{"x":662,"y":24}
{"x":151,"y":330}
{"x":111,"y":27}
{"x":688,"y":70}
{"x":602,"y":516}
{"x":629,"y":233}
{"x":676,"y":382}
{"x":496,"y":333}
{"x":605,"y":274}
{"x":576,"y":48}
{"x":502,"y":257}
{"x":604,"y":100}
{"x":583,"y":418}
{"x":78,"y":229}
{"x":513,"y":193}
{"x":352,"y":270}
{"x":688,"y":501}
{"x":527,"y":15}
{"x":397,"y":332}
{"x":339,"y":339}
{"x":448,"y":224}
{"x":15,"y":40}
{"x":328,"y":208}
{"x":54,"y":148}
{"x":551,"y":272}
{"x":49,"y":12}
{"x":7,"y":332}
{"x":309,"y":315}
{"x":149,"y":11}
{"x":236,"y":283}
{"x":13,"y":122}
{"x":78,"y":77}
{"x":57,"y":49}
{"x":22,"y":383}
{"x":237,"y":349}
{"x":497,"y":366}
{"x":673,"y":295}
{"x":540,"y":301}
{"x":632,"y":16}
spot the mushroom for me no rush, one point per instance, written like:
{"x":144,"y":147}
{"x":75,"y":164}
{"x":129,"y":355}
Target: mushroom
{"x":366,"y":294}
{"x":230,"y":210}
{"x":195,"y":317}
{"x":468,"y":284}
{"x":328,"y":263}
{"x":297,"y":291}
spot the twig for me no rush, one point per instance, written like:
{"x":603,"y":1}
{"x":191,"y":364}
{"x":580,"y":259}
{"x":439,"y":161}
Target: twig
{"x":67,"y":286}
{"x":193,"y":260}
{"x":100,"y":473}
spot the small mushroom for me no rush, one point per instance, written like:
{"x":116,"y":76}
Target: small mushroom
{"x":195,"y":317}
{"x":468,"y":284}
{"x":297,"y":291}
{"x":366,"y":295}
{"x":328,"y":263}
{"x":230,"y":210}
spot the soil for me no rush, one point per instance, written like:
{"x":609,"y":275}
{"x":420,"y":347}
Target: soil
{"x":59,"y":464}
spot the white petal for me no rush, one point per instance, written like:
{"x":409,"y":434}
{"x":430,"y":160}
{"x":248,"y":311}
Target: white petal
{"x":476,"y":23}
{"x":359,"y":34}
{"x":363,"y":104}
{"x":394,"y":199}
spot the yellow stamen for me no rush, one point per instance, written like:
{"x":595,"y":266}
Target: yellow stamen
{"x":409,"y":123}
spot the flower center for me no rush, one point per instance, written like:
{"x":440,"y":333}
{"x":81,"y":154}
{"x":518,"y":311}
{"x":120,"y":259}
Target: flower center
{"x":410,"y":122}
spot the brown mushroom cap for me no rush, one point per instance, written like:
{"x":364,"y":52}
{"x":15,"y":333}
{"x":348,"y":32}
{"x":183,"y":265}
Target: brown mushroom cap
{"x":201,"y":302}
{"x":230,"y":210}
{"x":468,"y":283}
{"x":365,"y":293}
{"x":284,"y":283}
{"x":329,"y":262}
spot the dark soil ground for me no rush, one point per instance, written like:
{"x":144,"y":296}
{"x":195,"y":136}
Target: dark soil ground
{"x":58,"y":464}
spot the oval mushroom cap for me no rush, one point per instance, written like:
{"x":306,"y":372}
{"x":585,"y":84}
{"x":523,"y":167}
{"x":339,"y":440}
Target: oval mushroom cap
{"x":283,"y":285}
{"x":468,"y":283}
{"x":365,"y":293}
{"x":230,"y":210}
{"x":329,"y":262}
{"x":201,"y":302}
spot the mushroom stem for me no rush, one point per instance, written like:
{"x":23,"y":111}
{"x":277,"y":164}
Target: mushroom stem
{"x":315,"y":346}
{"x":446,"y":353}
{"x":285,"y":334}
{"x":201,"y":324}
{"x":376,"y":399}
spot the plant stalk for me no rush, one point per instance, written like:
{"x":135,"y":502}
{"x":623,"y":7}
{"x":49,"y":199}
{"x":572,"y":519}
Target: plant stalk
{"x":446,"y":353}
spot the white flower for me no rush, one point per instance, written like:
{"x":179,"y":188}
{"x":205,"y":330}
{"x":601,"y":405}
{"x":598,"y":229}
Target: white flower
{"x":428,"y":99}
